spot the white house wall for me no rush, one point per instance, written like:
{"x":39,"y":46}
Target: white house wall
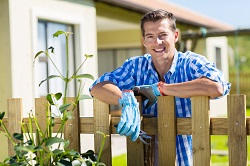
{"x":24,"y":15}
{"x":18,"y":38}
{"x":218,"y":107}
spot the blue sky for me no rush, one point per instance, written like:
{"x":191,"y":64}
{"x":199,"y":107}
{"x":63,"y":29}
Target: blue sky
{"x":232,"y":12}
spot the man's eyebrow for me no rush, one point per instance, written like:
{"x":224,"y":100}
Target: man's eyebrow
{"x":148,"y":34}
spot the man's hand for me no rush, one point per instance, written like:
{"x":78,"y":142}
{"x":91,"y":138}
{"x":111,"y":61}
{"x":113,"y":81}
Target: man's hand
{"x":130,"y":122}
{"x":149,"y":92}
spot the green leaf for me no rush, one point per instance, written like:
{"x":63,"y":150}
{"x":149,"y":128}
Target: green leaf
{"x":18,"y":136}
{"x":73,"y":153}
{"x":2,"y":115}
{"x":63,"y":107}
{"x":57,"y":151}
{"x":88,"y":55}
{"x":58,"y":33}
{"x":38,"y":148}
{"x":58,"y":96}
{"x":89,"y":76}
{"x":82,"y":97}
{"x":52,"y":121}
{"x":38,"y":53}
{"x":63,"y":162}
{"x":50,"y":99}
{"x":29,"y":148}
{"x":68,"y":115}
{"x":53,"y":140}
{"x":49,"y":77}
{"x":89,"y":154}
{"x":66,"y":144}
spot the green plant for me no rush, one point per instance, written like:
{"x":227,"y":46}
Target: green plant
{"x":44,"y":148}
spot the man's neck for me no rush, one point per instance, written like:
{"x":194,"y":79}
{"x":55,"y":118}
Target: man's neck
{"x":162,"y":67}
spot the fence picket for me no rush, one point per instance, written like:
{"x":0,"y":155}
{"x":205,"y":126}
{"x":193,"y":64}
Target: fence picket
{"x":72,"y":127}
{"x":40,"y":111}
{"x":135,"y":150}
{"x":166,"y":130}
{"x":237,"y":136}
{"x":201,"y":131}
{"x":102,"y":121}
{"x":15,"y":113}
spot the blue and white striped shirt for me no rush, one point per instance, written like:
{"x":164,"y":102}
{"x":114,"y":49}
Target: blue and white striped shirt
{"x":185,"y":67}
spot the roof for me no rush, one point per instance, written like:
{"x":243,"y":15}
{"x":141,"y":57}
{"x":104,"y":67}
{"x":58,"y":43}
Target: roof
{"x":182,"y":14}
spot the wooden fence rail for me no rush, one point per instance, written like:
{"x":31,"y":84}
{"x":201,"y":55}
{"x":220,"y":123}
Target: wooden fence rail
{"x":167,"y":126}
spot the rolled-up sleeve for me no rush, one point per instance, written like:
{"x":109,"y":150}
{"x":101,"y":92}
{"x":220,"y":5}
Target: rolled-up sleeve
{"x":201,"y":67}
{"x":121,"y":77}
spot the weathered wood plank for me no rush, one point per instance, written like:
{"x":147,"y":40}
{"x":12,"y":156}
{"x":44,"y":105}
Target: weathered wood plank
{"x":218,"y":126}
{"x":41,"y":105}
{"x":237,"y":138}
{"x":166,"y":130}
{"x":201,"y":131}
{"x":72,"y":127}
{"x":135,"y":150}
{"x":15,"y":113}
{"x":102,"y":121}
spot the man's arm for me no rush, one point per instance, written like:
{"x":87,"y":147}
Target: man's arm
{"x":107,"y":92}
{"x":198,"y":87}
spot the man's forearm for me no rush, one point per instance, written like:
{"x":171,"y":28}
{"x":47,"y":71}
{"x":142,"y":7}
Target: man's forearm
{"x":198,"y":87}
{"x":106,"y":92}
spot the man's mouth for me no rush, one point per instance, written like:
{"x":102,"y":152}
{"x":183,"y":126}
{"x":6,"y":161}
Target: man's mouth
{"x":159,"y":50}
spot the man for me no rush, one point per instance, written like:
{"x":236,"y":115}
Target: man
{"x":162,"y":71}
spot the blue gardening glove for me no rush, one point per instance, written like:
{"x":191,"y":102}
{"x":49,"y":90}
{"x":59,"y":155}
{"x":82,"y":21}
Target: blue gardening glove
{"x":130,"y":122}
{"x":149,"y":92}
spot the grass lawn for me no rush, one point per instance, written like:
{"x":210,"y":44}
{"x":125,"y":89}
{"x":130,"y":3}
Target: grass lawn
{"x":119,"y":160}
{"x":218,"y":142}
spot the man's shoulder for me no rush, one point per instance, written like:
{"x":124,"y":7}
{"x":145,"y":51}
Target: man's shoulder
{"x":189,"y":55}
{"x":145,"y":57}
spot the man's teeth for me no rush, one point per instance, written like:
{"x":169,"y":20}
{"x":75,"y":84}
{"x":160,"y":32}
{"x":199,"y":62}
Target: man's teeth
{"x":159,"y":50}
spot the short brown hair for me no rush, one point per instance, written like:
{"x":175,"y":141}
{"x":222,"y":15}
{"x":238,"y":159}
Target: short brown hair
{"x":156,"y":15}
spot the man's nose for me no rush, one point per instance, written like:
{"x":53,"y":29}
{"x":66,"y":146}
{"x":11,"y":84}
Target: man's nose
{"x":158,"y":40}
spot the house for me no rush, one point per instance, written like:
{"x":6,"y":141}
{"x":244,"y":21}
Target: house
{"x":108,"y":29}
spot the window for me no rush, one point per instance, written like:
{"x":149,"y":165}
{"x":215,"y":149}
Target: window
{"x":218,"y":57}
{"x":44,"y":67}
{"x":110,"y":59}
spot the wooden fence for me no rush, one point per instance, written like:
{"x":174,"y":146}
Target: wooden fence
{"x":166,"y":126}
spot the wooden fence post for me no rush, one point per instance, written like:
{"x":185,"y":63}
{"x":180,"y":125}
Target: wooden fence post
{"x":40,"y":112}
{"x":201,"y":131}
{"x":102,"y":120}
{"x":135,"y":153}
{"x":15,"y":113}
{"x":166,"y":130}
{"x":237,"y":138}
{"x":72,"y":127}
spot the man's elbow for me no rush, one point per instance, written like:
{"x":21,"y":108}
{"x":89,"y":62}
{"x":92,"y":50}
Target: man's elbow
{"x":217,"y":90}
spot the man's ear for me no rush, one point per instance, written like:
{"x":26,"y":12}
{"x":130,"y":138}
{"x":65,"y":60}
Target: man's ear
{"x":143,"y":41}
{"x":176,"y":35}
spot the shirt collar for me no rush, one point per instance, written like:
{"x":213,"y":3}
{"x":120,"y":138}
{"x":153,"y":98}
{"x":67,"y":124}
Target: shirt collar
{"x":173,"y":66}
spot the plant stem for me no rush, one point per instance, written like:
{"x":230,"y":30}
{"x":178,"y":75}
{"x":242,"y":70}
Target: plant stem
{"x":101,"y":148}
{"x":80,"y":67}
{"x":53,"y":64}
{"x":67,"y":68}
{"x":8,"y":134}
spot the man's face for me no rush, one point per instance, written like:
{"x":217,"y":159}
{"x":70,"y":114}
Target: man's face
{"x":159,"y":39}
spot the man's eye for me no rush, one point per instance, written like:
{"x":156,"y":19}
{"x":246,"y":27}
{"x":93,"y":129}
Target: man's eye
{"x":149,"y":37}
{"x":163,"y":36}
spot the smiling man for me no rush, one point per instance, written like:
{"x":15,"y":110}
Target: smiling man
{"x":162,"y":71}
